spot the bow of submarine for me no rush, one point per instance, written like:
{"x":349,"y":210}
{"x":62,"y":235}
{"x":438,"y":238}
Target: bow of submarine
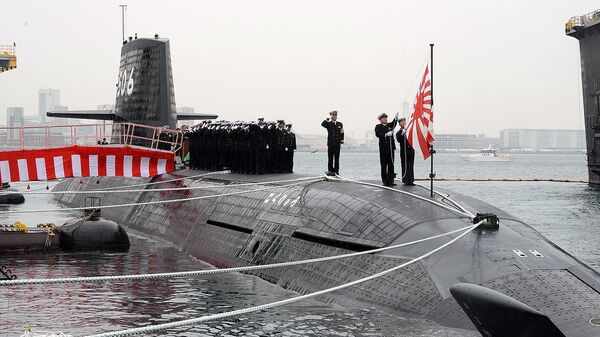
{"x":519,"y":263}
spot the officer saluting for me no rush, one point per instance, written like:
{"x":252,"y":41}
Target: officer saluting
{"x":387,"y":146}
{"x":335,"y":137}
{"x":407,"y":155}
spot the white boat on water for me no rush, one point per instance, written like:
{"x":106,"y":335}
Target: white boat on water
{"x":489,"y":154}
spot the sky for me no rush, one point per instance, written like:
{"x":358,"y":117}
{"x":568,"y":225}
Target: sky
{"x":498,"y":64}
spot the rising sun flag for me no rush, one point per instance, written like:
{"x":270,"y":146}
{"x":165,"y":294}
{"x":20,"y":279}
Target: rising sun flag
{"x":419,"y":127}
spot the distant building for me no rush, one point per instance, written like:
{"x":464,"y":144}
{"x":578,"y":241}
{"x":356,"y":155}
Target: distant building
{"x":531,"y":139}
{"x":451,"y":141}
{"x":15,"y":117}
{"x":464,"y":141}
{"x":47,"y":99}
{"x":311,"y":142}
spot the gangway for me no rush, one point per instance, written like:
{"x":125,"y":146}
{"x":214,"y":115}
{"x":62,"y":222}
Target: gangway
{"x":30,"y":153}
{"x":8,"y":58}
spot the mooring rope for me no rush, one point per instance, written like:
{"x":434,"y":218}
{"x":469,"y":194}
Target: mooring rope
{"x":445,"y":196}
{"x":160,"y":202}
{"x":168,"y":189}
{"x":167,"y":181}
{"x":461,"y":211}
{"x":192,"y":321}
{"x":90,"y":279}
{"x":508,"y":180}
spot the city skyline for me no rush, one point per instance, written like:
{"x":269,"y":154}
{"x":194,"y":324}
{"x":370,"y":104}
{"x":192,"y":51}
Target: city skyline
{"x":262,"y":59}
{"x":49,"y":100}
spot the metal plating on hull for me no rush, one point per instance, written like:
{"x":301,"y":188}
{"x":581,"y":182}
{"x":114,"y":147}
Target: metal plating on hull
{"x":333,"y":217}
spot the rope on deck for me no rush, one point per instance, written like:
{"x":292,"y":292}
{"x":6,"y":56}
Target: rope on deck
{"x":300,"y":181}
{"x":508,"y":180}
{"x":192,"y":321}
{"x":107,"y":191}
{"x":459,"y":210}
{"x":90,"y":279}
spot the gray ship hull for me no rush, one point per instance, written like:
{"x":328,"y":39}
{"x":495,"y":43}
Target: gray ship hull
{"x":331,"y":217}
{"x":589,"y":49}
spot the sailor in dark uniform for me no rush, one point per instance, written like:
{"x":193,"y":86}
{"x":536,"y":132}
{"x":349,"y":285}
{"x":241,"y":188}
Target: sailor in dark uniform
{"x":407,"y":155}
{"x":259,"y":132}
{"x":236,"y":136}
{"x":387,"y":146}
{"x":270,"y":155}
{"x":280,"y":147}
{"x":289,"y":154}
{"x":335,"y":139}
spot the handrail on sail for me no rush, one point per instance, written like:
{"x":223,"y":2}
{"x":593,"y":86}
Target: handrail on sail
{"x":118,"y":134}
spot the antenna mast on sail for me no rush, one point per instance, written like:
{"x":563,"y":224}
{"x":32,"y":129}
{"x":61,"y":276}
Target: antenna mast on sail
{"x":123,"y":9}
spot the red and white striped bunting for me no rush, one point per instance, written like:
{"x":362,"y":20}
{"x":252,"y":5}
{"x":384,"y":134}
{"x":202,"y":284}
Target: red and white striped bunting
{"x":83,"y":161}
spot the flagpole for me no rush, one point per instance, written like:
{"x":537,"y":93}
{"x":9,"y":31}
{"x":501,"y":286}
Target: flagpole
{"x":431,"y":150}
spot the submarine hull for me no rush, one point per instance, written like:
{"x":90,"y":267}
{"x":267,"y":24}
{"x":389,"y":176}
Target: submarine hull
{"x":330,"y":218}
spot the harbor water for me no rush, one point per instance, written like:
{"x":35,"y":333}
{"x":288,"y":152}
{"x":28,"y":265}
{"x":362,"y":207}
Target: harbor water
{"x":566,"y":213}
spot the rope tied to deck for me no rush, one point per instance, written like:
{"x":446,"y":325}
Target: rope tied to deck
{"x":170,"y":189}
{"x":192,"y":321}
{"x":91,"y":279}
{"x":298,"y":181}
{"x":458,"y":210}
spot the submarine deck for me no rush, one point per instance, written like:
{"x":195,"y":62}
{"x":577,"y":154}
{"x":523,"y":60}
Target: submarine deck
{"x":332,"y":217}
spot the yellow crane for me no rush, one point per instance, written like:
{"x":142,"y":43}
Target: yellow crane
{"x":8,"y":58}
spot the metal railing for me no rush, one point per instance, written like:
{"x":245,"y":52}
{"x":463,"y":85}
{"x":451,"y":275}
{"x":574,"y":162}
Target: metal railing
{"x":7,"y":49}
{"x":582,"y":21}
{"x":114,"y":134}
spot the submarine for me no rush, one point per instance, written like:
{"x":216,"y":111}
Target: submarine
{"x":504,"y":281}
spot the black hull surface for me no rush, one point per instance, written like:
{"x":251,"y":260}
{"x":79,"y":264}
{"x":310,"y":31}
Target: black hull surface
{"x":331,"y":217}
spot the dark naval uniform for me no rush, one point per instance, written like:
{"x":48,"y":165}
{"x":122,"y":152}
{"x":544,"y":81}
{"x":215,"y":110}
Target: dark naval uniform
{"x":259,"y":141}
{"x":280,"y":147}
{"x":387,"y":147}
{"x":335,"y":137}
{"x":242,"y":147}
{"x":407,"y":157}
{"x":289,"y":154}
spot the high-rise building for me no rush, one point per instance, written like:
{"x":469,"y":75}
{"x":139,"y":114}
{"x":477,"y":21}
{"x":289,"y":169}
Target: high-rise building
{"x":15,"y":117}
{"x":47,"y":100}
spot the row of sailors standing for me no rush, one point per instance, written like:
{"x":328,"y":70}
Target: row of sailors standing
{"x":243,"y":147}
